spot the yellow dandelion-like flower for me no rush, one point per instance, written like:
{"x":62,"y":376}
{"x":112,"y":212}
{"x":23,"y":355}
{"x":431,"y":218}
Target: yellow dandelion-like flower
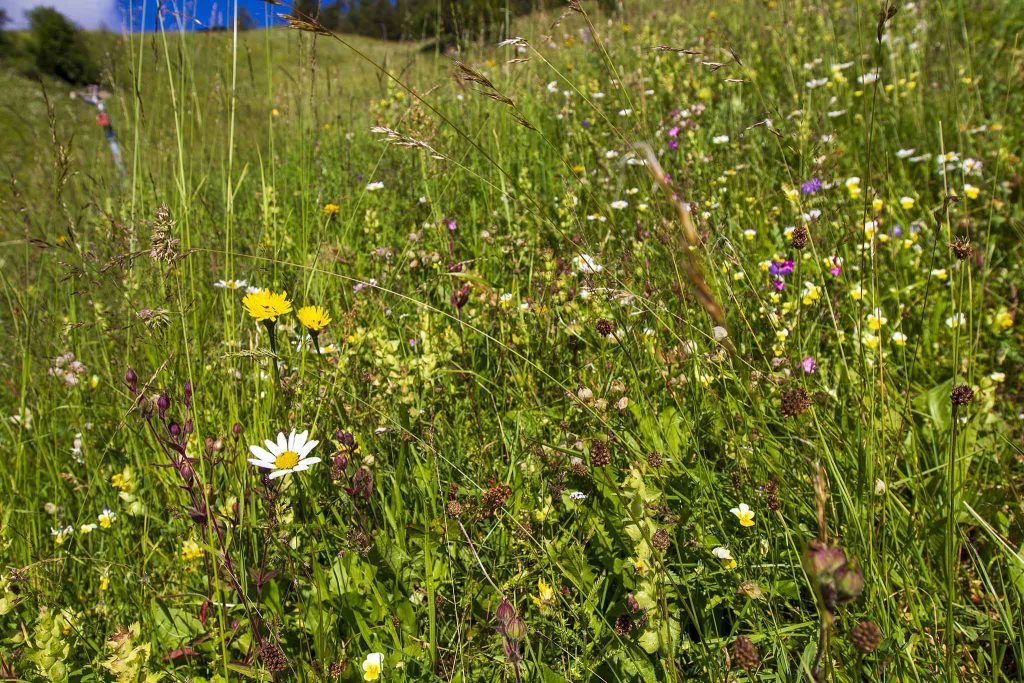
{"x":266,"y":305}
{"x":1004,"y":320}
{"x":545,"y":595}
{"x":331,"y":209}
{"x":313,"y":318}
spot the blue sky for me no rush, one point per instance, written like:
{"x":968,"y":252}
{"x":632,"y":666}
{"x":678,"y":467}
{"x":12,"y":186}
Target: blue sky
{"x":114,"y":14}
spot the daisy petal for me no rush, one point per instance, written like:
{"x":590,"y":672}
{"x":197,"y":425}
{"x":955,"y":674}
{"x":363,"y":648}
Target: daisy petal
{"x":261,"y":463}
{"x":282,"y":441}
{"x":260,"y":453}
{"x":279,"y":473}
{"x":308,"y":447}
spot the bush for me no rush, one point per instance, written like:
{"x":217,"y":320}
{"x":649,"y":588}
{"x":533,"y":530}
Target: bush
{"x":59,"y":49}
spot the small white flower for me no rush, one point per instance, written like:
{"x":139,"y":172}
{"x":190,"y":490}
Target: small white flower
{"x":904,"y":153}
{"x":816,"y":83}
{"x":585,"y":263}
{"x":286,"y":456}
{"x":955,"y":320}
{"x":578,"y":496}
{"x":619,"y":204}
{"x":720,"y":139}
{"x":230,"y":284}
{"x":374,"y":186}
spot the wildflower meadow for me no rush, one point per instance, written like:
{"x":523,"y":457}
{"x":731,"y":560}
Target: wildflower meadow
{"x":622,"y":341}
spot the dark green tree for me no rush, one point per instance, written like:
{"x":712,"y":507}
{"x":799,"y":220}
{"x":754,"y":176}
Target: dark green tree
{"x":59,"y":48}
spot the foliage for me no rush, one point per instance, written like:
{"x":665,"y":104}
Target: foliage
{"x":677,"y":344}
{"x":59,"y":49}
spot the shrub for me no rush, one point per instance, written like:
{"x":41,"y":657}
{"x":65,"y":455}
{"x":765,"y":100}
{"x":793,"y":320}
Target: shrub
{"x":59,"y":48}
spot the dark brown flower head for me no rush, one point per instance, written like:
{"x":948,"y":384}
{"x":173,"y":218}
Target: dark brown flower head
{"x":745,"y":654}
{"x":961,"y":395}
{"x":623,"y":624}
{"x":454,"y":508}
{"x":661,"y":540}
{"x":273,"y":657}
{"x":800,"y":237}
{"x":795,"y":401}
{"x":599,"y":453}
{"x":866,"y":636}
{"x":961,"y":247}
{"x":654,"y":459}
{"x":605,"y":327}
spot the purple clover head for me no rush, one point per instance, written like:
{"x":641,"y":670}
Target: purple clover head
{"x":809,"y":365}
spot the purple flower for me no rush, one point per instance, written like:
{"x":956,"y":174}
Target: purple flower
{"x":673,"y":144}
{"x":811,"y":186}
{"x":779,"y":284}
{"x":585,"y":123}
{"x":781,"y":267}
{"x":837,"y":268}
{"x":897,"y":231}
{"x":809,"y":365}
{"x":673,"y":131}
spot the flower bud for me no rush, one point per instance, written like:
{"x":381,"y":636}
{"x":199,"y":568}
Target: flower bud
{"x":187,"y":392}
{"x":163,"y":402}
{"x":132,"y":380}
{"x":515,"y":629}
{"x":822,"y":560}
{"x":237,"y":429}
{"x":174,"y":429}
{"x":849,"y":581}
{"x":505,"y":612}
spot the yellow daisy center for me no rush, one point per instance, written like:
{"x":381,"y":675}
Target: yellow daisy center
{"x":286,"y":460}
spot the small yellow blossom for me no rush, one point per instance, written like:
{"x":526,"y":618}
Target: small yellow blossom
{"x":190,"y":550}
{"x":857,"y":292}
{"x":899,"y":339}
{"x":725,"y":556}
{"x":1004,"y":320}
{"x":812,"y":293}
{"x":106,"y":518}
{"x":545,"y":595}
{"x":907,"y":202}
{"x":971,"y":192}
{"x":876,"y":320}
{"x":877,"y":204}
{"x":870,"y":341}
{"x":853,"y":187}
{"x":331,"y":209}
{"x":744,"y":514}
{"x":373,"y":666}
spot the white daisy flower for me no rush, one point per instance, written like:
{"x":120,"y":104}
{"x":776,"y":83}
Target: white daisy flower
{"x":619,"y":204}
{"x":374,"y":186}
{"x":286,"y":456}
{"x":230,"y":284}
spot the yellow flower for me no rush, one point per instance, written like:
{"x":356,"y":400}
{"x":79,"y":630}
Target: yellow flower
{"x":266,"y":305}
{"x":971,"y":191}
{"x":373,"y":666}
{"x":870,"y":341}
{"x":877,"y":204}
{"x":744,"y":514}
{"x":313,"y":318}
{"x":876,"y":319}
{"x":811,"y":293}
{"x":857,"y":292}
{"x":639,"y":565}
{"x":545,"y":595}
{"x":190,"y":550}
{"x":331,"y":209}
{"x":1004,"y":320}
{"x":899,"y":339}
{"x":106,"y":518}
{"x":124,"y":480}
{"x":853,"y":187}
{"x":907,"y":202}
{"x":725,"y":556}
{"x":104,"y":581}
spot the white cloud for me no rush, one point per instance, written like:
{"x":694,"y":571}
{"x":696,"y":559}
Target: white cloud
{"x":89,"y":14}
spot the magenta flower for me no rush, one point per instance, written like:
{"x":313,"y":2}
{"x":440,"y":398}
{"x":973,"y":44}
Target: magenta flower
{"x":809,"y":365}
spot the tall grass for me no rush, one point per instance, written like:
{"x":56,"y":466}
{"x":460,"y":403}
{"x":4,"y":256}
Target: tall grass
{"x":565,"y":344}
